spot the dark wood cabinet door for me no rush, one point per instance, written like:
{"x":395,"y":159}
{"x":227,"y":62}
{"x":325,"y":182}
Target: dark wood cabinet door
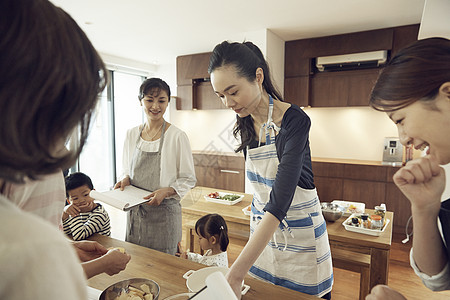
{"x":360,"y":85}
{"x":365,"y":172}
{"x":204,"y":96}
{"x":296,"y":90}
{"x":325,"y":169}
{"x":185,"y":97}
{"x":369,"y":192}
{"x":400,"y":205}
{"x":328,"y":188}
{"x":403,"y":36}
{"x":194,"y":66}
{"x":328,"y":90}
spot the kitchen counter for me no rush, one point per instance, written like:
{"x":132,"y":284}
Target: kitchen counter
{"x":377,"y":248}
{"x":167,"y":270}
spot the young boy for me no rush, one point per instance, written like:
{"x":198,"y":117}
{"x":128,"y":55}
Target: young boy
{"x":83,"y":217}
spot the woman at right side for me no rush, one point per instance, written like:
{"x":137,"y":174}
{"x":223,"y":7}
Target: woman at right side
{"x":289,"y":241}
{"x":414,"y":90}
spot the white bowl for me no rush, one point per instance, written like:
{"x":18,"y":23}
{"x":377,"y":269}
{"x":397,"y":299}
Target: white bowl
{"x":196,"y":280}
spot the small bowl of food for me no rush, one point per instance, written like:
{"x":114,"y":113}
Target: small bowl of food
{"x":134,"y":288}
{"x":332,"y":212}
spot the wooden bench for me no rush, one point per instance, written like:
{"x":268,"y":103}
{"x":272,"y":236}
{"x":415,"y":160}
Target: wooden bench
{"x":191,"y":236}
{"x":355,"y":262}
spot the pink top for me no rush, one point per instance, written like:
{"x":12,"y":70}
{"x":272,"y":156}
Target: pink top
{"x":44,"y":197}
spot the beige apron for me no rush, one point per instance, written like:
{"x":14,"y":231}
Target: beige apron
{"x":298,"y":256}
{"x":156,"y":227}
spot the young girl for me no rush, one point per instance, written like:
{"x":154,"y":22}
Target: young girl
{"x":213,"y":238}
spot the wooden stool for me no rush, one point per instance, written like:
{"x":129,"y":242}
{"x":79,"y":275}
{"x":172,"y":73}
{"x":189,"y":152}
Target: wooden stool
{"x":355,"y":262}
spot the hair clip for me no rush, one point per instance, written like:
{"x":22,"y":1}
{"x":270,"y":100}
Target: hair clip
{"x":221,"y":228}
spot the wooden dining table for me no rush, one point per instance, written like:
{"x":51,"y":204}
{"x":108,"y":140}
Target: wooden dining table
{"x":376,"y":247}
{"x":168,"y":270}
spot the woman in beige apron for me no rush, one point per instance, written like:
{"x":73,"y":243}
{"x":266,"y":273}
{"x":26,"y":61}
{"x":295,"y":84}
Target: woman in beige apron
{"x":289,"y":242}
{"x":167,"y":177}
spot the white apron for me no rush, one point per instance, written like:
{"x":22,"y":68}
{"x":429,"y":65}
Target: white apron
{"x":298,"y":255}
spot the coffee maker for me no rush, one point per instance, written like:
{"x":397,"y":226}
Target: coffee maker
{"x":392,"y":151}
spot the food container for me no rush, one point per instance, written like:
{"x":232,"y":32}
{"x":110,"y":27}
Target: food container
{"x":114,"y":290}
{"x":351,"y":207}
{"x":247,"y":210}
{"x":381,"y":211}
{"x":361,"y":229}
{"x":332,"y":212}
{"x":377,"y":222}
{"x":196,"y":280}
{"x":224,"y":201}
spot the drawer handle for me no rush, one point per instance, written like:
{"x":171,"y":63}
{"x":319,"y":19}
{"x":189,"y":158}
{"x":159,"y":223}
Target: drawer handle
{"x":229,"y":171}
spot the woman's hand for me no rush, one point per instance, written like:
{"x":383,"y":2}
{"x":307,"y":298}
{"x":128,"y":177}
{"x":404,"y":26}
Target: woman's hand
{"x":159,"y":195}
{"x":88,"y":250}
{"x":111,"y":263}
{"x":123,"y":183}
{"x":382,"y":292}
{"x":422,"y":181}
{"x":115,"y":261}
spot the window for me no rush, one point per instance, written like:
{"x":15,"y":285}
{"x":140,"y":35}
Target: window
{"x":117,"y":111}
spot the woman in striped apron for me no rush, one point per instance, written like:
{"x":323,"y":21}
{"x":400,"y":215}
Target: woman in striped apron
{"x":289,"y":242}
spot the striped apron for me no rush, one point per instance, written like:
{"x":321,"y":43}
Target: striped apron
{"x":298,"y":255}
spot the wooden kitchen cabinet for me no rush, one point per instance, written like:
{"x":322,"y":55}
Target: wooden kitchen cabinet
{"x":194,"y":90}
{"x":344,"y":88}
{"x":220,"y":171}
{"x":296,"y":90}
{"x":371,"y":184}
{"x":338,"y":88}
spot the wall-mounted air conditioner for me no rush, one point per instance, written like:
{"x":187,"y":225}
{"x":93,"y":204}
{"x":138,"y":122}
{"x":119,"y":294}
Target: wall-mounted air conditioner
{"x":351,"y":61}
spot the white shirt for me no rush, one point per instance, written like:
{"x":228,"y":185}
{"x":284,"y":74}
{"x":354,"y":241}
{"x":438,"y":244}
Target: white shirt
{"x":177,"y":164}
{"x":36,"y":260}
{"x":438,"y":282}
{"x":219,"y":260}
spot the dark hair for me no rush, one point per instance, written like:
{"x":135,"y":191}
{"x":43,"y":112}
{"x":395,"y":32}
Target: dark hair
{"x":75,"y":180}
{"x":154,"y":86}
{"x":50,"y":80}
{"x":246,"y":58}
{"x":213,"y":225}
{"x":414,"y":73}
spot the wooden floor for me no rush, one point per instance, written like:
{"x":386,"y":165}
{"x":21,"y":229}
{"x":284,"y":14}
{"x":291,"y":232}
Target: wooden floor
{"x":401,"y":276}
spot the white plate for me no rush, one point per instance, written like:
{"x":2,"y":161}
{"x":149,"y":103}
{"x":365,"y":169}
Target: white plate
{"x":227,"y":202}
{"x":246,"y":211}
{"x":359,"y":207}
{"x":363,"y":230}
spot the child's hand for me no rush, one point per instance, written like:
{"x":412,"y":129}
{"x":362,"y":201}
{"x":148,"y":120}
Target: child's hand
{"x":71,"y":210}
{"x":181,"y":253}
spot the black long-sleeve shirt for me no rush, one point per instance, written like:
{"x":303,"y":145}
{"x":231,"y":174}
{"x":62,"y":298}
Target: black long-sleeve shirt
{"x":292,"y":145}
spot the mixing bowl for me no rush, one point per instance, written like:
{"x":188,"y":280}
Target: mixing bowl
{"x":114,"y":290}
{"x":332,"y":212}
